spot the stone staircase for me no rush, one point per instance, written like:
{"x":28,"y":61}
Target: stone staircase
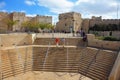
{"x":97,"y":64}
{"x":14,"y":63}
{"x":55,"y":61}
{"x":91,"y":62}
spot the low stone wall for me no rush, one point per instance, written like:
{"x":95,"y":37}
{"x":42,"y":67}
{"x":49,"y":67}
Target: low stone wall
{"x":114,"y":45}
{"x":115,"y":73}
{"x":7,"y":40}
{"x":68,"y":41}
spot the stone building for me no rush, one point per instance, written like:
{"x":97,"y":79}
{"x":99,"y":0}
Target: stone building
{"x":20,"y":17}
{"x":3,"y":17}
{"x":73,"y":21}
{"x":69,"y":22}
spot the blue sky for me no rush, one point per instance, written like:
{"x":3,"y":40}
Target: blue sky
{"x":88,"y":8}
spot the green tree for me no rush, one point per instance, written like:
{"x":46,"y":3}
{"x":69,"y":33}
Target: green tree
{"x":10,"y":24}
{"x":32,"y":26}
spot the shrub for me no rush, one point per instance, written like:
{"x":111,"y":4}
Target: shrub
{"x":110,"y":38}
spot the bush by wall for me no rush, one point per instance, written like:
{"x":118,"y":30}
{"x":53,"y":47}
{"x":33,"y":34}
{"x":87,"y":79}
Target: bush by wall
{"x":110,"y":38}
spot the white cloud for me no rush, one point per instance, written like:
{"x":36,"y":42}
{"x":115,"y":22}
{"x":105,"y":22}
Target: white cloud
{"x":31,"y":15}
{"x":3,"y":10}
{"x":2,"y":4}
{"x":57,"y":6}
{"x":23,"y":11}
{"x":87,"y":8}
{"x":104,"y":8}
{"x":29,"y":2}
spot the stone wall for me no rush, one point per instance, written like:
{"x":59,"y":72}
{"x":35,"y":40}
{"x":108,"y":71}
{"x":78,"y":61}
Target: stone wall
{"x":44,"y":19}
{"x":114,"y":45}
{"x":20,"y":17}
{"x":8,"y":40}
{"x":68,"y":41}
{"x":99,"y":20}
{"x":85,"y":25}
{"x":115,"y":73}
{"x":69,"y":22}
{"x":3,"y":17}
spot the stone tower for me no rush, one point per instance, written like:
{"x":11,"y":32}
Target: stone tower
{"x":3,"y":17}
{"x":69,"y":22}
{"x":19,"y":17}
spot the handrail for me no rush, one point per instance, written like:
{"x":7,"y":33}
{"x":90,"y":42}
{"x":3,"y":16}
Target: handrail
{"x":46,"y":56}
{"x":25,"y":63}
{"x":12,"y":65}
{"x":81,"y":58}
{"x":1,"y":66}
{"x":19,"y":57}
{"x":114,"y":74}
{"x":92,"y":61}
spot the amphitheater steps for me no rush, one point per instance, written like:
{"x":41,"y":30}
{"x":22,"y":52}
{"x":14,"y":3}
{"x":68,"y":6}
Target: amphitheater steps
{"x":78,"y":60}
{"x":12,"y":66}
{"x":100,"y":67}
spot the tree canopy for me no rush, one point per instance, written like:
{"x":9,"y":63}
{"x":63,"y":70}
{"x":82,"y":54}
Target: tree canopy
{"x":32,"y":26}
{"x":10,"y":23}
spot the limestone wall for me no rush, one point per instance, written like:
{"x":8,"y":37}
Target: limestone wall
{"x":7,"y":40}
{"x":68,"y":41}
{"x":3,"y":17}
{"x":20,"y":18}
{"x":69,"y":22}
{"x":85,"y":25}
{"x":115,"y":73}
{"x":114,"y":45}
